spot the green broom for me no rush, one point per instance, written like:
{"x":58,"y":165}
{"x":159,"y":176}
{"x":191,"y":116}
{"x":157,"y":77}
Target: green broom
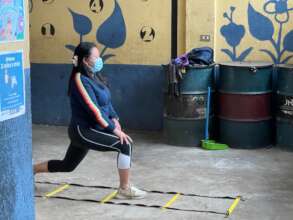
{"x":206,"y":143}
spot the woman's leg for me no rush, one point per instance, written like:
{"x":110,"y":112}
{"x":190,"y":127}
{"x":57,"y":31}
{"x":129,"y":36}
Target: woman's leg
{"x":41,"y":167}
{"x":124,"y":176}
{"x":124,"y":164}
{"x":101,"y":141}
{"x":73,"y":157}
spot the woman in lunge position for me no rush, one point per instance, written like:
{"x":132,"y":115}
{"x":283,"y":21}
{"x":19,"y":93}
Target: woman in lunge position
{"x":94,"y":123}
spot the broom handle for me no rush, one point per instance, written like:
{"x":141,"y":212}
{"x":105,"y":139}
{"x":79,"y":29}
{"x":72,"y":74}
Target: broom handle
{"x":208,"y":114}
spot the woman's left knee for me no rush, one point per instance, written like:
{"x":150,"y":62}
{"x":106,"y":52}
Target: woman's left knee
{"x":126,"y":149}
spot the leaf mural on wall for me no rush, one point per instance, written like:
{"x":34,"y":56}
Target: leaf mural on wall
{"x":82,"y":24}
{"x":105,"y":57}
{"x":244,"y":54}
{"x":229,"y":54}
{"x":70,"y":47}
{"x":288,"y":41}
{"x":260,"y":26}
{"x":112,"y":33}
{"x":288,"y":45}
{"x":287,"y":59}
{"x":270,"y":54}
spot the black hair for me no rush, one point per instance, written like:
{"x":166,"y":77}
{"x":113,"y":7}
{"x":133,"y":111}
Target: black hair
{"x":83,"y":50}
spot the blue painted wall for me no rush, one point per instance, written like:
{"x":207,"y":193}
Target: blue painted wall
{"x":137,"y":93}
{"x":16,"y":178}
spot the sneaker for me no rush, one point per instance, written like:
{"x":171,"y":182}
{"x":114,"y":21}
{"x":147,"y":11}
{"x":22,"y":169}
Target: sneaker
{"x":130,"y":193}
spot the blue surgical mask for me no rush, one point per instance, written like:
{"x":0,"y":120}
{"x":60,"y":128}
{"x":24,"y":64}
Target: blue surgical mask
{"x":98,"y":65}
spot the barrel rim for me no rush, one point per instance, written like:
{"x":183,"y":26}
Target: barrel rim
{"x":200,"y":66}
{"x":284,"y":120}
{"x":238,"y":64}
{"x":203,"y":92}
{"x":189,"y":93}
{"x":245,"y":120}
{"x":186,"y":119}
{"x":285,"y":66}
{"x":279,"y":92}
{"x":245,"y":93}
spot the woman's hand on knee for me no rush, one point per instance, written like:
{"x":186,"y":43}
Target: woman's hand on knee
{"x":129,"y":138}
{"x":124,"y":138}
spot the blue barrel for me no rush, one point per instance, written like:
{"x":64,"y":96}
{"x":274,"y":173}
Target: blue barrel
{"x":284,"y":122}
{"x":244,"y":106}
{"x":184,"y":115}
{"x":245,"y":78}
{"x":197,"y":79}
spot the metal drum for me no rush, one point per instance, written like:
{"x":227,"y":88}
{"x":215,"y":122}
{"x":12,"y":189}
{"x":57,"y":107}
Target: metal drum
{"x":184,"y":118}
{"x":285,"y":106}
{"x":186,"y":106}
{"x":244,"y":104}
{"x":185,"y":132}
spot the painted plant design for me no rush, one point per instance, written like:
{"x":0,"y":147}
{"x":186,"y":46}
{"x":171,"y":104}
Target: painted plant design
{"x":111,"y":34}
{"x":262,"y":28}
{"x":233,"y":34}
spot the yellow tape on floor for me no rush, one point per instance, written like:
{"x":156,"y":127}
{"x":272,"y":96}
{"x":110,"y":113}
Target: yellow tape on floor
{"x":233,"y":206}
{"x":171,"y":201}
{"x":109,"y":197}
{"x":58,"y":190}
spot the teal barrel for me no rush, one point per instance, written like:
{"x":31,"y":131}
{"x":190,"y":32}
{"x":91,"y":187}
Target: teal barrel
{"x":184,"y":114}
{"x":284,"y":122}
{"x":197,"y":79}
{"x":244,"y":104}
{"x":185,"y":132}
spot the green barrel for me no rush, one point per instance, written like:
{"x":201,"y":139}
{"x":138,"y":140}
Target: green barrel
{"x":244,"y":105}
{"x":184,"y":131}
{"x":197,"y":79}
{"x":184,"y":115}
{"x":187,"y":106}
{"x":284,"y":122}
{"x":245,"y":77}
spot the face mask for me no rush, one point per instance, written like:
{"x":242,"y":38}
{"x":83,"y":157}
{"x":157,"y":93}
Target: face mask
{"x":98,"y":65}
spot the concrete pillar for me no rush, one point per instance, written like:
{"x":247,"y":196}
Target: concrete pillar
{"x":16,"y":176}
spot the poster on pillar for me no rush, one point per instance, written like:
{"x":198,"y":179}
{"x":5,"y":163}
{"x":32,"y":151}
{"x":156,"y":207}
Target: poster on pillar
{"x":12,"y":87}
{"x":11,"y":21}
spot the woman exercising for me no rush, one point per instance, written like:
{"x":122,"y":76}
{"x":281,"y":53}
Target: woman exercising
{"x":94,"y":123}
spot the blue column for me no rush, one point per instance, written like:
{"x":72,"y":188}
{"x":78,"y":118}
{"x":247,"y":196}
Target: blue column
{"x":16,"y":176}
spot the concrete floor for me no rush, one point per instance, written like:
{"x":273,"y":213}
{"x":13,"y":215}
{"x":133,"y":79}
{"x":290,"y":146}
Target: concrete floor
{"x":263,"y":177}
